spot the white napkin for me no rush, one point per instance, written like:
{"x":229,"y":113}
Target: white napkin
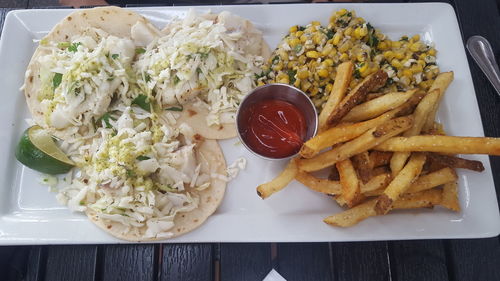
{"x":274,"y":276}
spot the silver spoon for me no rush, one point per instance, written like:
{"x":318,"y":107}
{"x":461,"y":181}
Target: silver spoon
{"x":480,"y":49}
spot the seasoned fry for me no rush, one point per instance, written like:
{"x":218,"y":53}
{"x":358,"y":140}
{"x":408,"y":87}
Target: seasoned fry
{"x":424,"y":199}
{"x":408,"y":107}
{"x":380,"y":158}
{"x":342,"y":80}
{"x":362,"y":143}
{"x":283,"y":179}
{"x":342,"y":133}
{"x":349,"y":182}
{"x":456,"y":162}
{"x":371,"y":96}
{"x":334,"y":174}
{"x":363,"y":166}
{"x":376,"y":185}
{"x":421,"y":113}
{"x":441,"y":83}
{"x":356,"y":96}
{"x":354,"y":215}
{"x":424,"y":182}
{"x":375,"y":107}
{"x":443,"y":144}
{"x":400,"y":183}
{"x":325,"y":186}
{"x":450,"y":197}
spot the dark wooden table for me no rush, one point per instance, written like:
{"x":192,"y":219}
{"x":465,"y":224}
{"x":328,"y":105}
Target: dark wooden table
{"x":460,"y":260}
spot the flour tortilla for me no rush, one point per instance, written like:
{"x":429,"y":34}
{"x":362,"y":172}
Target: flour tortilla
{"x":209,"y":200}
{"x":194,"y":114}
{"x":113,"y":20}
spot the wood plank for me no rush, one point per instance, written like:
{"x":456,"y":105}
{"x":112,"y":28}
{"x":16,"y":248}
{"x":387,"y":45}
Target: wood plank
{"x":191,"y":262}
{"x":42,"y":3}
{"x":360,"y":261}
{"x":127,"y":262}
{"x":418,"y":260}
{"x":243,"y":261}
{"x":474,"y":259}
{"x":23,"y":4}
{"x":36,"y":264}
{"x":76,"y":263}
{"x":304,"y":261}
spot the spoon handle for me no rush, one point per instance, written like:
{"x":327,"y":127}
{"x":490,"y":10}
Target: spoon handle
{"x":480,"y":49}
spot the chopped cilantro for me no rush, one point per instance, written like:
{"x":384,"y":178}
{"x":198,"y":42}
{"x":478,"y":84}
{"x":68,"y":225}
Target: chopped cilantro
{"x":176,"y":80}
{"x":143,"y":102}
{"x":147,"y":77}
{"x":130,"y":173}
{"x":404,"y":38}
{"x":291,"y":76}
{"x":142,"y":158}
{"x":356,"y":74}
{"x":115,"y":56}
{"x":106,"y":118}
{"x":74,"y":47}
{"x":63,"y":45}
{"x":372,"y":38}
{"x":329,"y":33}
{"x":111,"y":78}
{"x":174,"y":108}
{"x":140,"y":51}
{"x":301,"y":28}
{"x":297,"y":48}
{"x":56,"y":80}
{"x":275,"y":59}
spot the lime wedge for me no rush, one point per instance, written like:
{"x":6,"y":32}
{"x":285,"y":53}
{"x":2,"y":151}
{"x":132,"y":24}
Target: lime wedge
{"x":38,"y":151}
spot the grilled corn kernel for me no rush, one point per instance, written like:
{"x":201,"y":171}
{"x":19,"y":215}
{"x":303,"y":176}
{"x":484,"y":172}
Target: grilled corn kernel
{"x":416,"y":68}
{"x":260,"y":83}
{"x":328,"y":62}
{"x":407,"y":73}
{"x":388,"y":55}
{"x":326,"y":50}
{"x":323,"y":73}
{"x":432,"y":52}
{"x":313,"y":91}
{"x":299,"y":33}
{"x":278,"y":66}
{"x":315,"y":23}
{"x":396,"y":44}
{"x":341,"y":12}
{"x":345,"y":47}
{"x":328,"y":88}
{"x":361,"y":57}
{"x":399,"y":55}
{"x":396,"y":63}
{"x":415,"y":47}
{"x":344,"y":57}
{"x":357,"y":33}
{"x":303,"y":38}
{"x":382,"y":46}
{"x":416,"y":38}
{"x":305,"y":85}
{"x":303,"y":74}
{"x":312,"y":54}
{"x":317,"y":38}
{"x":336,"y":38}
{"x":293,"y":29}
{"x":293,"y":42}
{"x":363,"y":68}
{"x":348,"y":31}
{"x":284,"y":80}
{"x":297,"y":83}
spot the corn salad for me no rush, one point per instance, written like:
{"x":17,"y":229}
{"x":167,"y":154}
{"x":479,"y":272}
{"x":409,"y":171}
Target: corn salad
{"x":307,"y":57}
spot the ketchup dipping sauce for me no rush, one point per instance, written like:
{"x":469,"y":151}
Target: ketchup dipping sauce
{"x":275,"y":120}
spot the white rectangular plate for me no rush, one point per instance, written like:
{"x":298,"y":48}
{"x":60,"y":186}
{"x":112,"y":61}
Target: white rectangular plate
{"x":29,"y":214}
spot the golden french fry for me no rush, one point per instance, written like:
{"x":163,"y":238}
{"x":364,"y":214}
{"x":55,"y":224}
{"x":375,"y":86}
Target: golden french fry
{"x":342,"y":80}
{"x":380,"y":158}
{"x":375,"y":107}
{"x":362,"y":143}
{"x":349,"y":181}
{"x":441,"y":83}
{"x":423,"y":199}
{"x":354,"y":215}
{"x":363,"y":166}
{"x":450,"y":197}
{"x":456,"y":162}
{"x":377,"y":183}
{"x":400,"y":183}
{"x":326,"y":186}
{"x":371,"y":96}
{"x":421,"y":113}
{"x":342,"y":133}
{"x":356,"y":96}
{"x":442,"y":144}
{"x":283,"y":179}
{"x":423,"y":182}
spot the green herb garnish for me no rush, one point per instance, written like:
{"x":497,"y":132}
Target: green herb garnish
{"x":176,"y":80}
{"x":174,"y":108}
{"x":143,"y":102}
{"x":56,"y":80}
{"x":106,"y":118}
{"x":372,"y":39}
{"x":142,"y":158}
{"x":74,"y":47}
{"x":291,"y":76}
{"x":297,"y":48}
{"x":140,"y":51}
{"x":115,"y":56}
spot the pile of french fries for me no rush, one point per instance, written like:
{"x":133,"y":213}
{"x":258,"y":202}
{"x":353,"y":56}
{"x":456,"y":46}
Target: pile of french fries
{"x":383,"y":151}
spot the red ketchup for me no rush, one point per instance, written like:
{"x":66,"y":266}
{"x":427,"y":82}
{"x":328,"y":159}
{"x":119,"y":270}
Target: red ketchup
{"x":274,"y":128}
